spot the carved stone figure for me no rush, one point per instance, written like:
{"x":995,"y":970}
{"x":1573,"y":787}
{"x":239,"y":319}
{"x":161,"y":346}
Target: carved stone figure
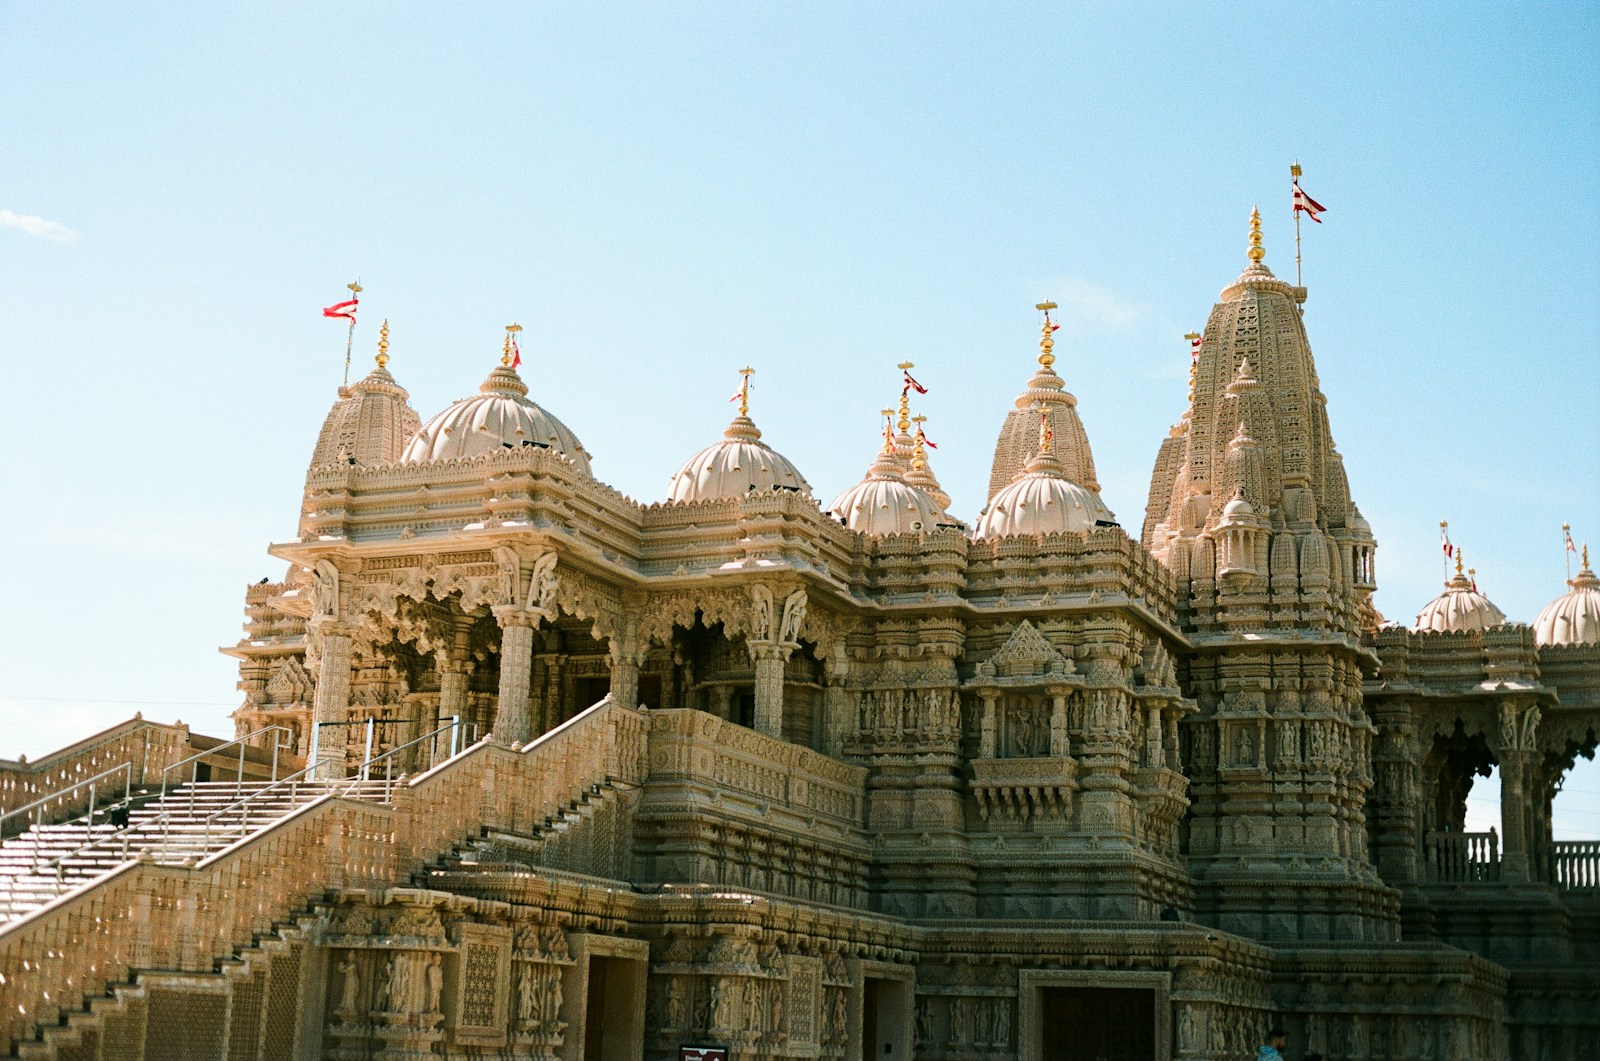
{"x":349,"y":985}
{"x":794,"y":617}
{"x":761,"y":613}
{"x":544,"y":584}
{"x":433,"y":977}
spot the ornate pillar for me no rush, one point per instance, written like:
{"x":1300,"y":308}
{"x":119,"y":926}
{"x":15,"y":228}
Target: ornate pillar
{"x":837,"y":714}
{"x":773,"y":636}
{"x":513,"y":724}
{"x":332,"y":700}
{"x":1060,"y":743}
{"x":770,"y":660}
{"x":1518,"y":739}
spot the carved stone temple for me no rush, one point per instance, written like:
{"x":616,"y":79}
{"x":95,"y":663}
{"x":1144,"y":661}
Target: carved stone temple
{"x":535,"y":770}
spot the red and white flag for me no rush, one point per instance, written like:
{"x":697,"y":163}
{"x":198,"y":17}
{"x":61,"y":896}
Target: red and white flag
{"x":1194,"y":346}
{"x":1571,"y":548}
{"x":343,"y":310}
{"x":926,"y":441}
{"x":1304,"y":204}
{"x":913,"y":384}
{"x":1444,"y":541}
{"x":516,"y":353}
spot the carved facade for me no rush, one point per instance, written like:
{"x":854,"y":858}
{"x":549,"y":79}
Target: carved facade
{"x":940,"y":791}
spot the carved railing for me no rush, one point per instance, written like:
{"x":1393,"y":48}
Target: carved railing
{"x":1463,"y":858}
{"x":143,"y":915}
{"x":148,"y":746}
{"x":694,"y":746}
{"x":1575,"y":863}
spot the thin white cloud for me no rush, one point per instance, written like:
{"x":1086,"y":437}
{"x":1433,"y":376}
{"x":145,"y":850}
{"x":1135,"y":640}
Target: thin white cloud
{"x":53,"y":231}
{"x":1097,"y":307}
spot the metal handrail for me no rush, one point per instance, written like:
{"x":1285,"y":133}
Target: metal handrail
{"x":238,"y":777}
{"x":455,"y":726}
{"x":363,"y":772}
{"x":92,"y":783}
{"x":294,"y":780}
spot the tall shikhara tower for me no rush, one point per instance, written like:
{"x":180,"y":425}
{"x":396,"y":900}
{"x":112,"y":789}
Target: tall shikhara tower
{"x":1250,"y":507}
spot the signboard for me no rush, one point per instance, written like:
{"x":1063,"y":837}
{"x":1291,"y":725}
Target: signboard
{"x":702,"y":1053}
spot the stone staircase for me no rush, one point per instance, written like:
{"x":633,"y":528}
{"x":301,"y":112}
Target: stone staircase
{"x":186,"y":825}
{"x":586,"y":835}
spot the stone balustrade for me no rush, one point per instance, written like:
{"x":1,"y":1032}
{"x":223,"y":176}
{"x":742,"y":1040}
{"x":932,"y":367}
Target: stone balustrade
{"x":1575,"y":863}
{"x":1463,"y":858}
{"x":149,"y":746}
{"x":144,"y":915}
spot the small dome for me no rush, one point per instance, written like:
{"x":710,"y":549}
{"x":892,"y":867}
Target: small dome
{"x":1574,"y":617}
{"x":1238,"y":508}
{"x":884,"y":503}
{"x":739,"y":464}
{"x":500,"y":416}
{"x":1040,"y":501}
{"x":1459,"y":608}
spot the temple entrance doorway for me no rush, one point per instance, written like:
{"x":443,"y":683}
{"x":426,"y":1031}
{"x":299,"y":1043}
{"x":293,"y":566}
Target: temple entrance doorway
{"x":1097,"y":1024}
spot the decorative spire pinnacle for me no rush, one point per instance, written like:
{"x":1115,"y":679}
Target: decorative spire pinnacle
{"x":1046,"y":436}
{"x":1257,"y":252}
{"x":888,"y":433}
{"x":383,"y":345}
{"x":744,"y":389}
{"x":919,"y":455}
{"x":904,"y":423}
{"x":1459,"y":555}
{"x":1047,"y":341}
{"x":510,"y":352}
{"x":1585,"y":556}
{"x":1194,"y":361}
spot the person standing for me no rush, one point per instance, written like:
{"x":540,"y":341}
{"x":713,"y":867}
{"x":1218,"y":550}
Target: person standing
{"x":1272,"y":1049}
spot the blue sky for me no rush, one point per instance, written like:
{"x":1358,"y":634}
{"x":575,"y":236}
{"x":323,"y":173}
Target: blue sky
{"x":662,"y":193}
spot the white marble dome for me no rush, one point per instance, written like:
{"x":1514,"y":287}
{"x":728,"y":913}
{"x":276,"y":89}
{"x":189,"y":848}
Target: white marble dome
{"x":1459,"y":608}
{"x":1042,"y":500}
{"x":739,"y":464}
{"x":499,"y":416}
{"x":884,"y":503}
{"x":1574,"y":617}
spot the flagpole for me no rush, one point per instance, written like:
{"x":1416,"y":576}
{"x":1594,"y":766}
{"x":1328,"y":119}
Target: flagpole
{"x":1566,"y":549}
{"x":1294,"y":179}
{"x":349,"y":336}
{"x":1444,"y":534}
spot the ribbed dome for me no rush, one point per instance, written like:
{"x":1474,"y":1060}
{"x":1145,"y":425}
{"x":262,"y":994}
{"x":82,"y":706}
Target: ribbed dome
{"x":1459,"y":608}
{"x":1018,"y":441}
{"x":500,"y":416}
{"x":1574,"y":617}
{"x":739,"y":464}
{"x":1042,"y":500}
{"x":884,"y":503}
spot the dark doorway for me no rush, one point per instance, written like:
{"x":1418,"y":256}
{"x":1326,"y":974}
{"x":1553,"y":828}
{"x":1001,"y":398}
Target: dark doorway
{"x":1098,"y":1024}
{"x":590,"y":691}
{"x":594,"y":1028}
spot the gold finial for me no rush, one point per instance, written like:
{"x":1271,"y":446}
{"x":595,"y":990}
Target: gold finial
{"x":919,"y":455}
{"x":744,"y":389}
{"x":355,"y":288}
{"x":1194,"y":361}
{"x":1459,"y":555}
{"x":1257,"y":252}
{"x":1046,"y":436}
{"x":383,"y":344}
{"x":888,"y":432}
{"x":1586,"y":556}
{"x":1047,"y":339}
{"x":506,"y":357}
{"x":1294,"y":169}
{"x":904,"y":423}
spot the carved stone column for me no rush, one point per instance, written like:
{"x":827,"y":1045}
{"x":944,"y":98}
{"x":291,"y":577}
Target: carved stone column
{"x":770,"y":659}
{"x":454,"y":676}
{"x":1060,"y":744}
{"x":332,"y":701}
{"x":513,"y":724}
{"x":1518,"y":738}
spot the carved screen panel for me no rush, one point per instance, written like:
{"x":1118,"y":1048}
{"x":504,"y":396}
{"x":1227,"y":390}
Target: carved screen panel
{"x":483,"y":985}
